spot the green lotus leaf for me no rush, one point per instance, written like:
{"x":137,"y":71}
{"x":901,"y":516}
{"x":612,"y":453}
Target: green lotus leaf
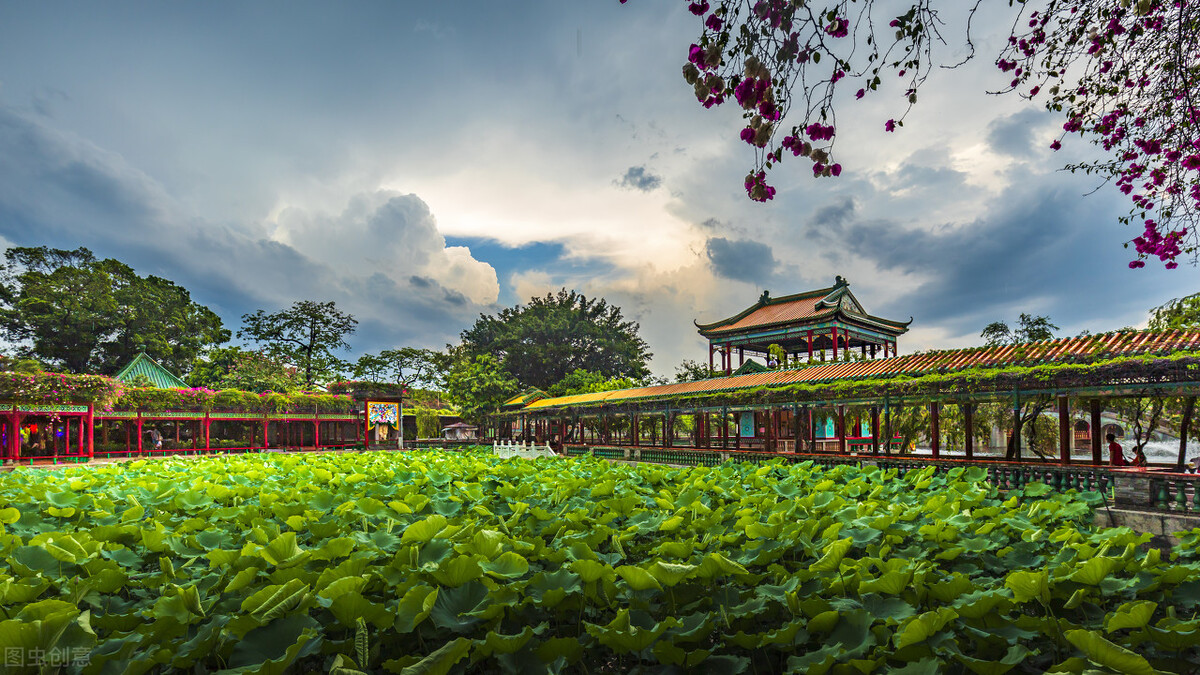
{"x":1015,"y":655}
{"x":214,"y":539}
{"x":888,"y":610}
{"x":621,"y":636}
{"x":337,"y":587}
{"x":334,"y":549}
{"x":424,"y":530}
{"x":566,"y":648}
{"x":923,"y":626}
{"x":889,"y":583}
{"x":351,"y":606}
{"x":824,"y":622}
{"x":458,"y":570}
{"x":276,"y":600}
{"x":495,"y":643}
{"x":715,"y":564}
{"x":669,"y":574}
{"x":488,"y":543}
{"x":1108,"y":654}
{"x":832,"y":559}
{"x":440,"y":661}
{"x":926,"y":666}
{"x":273,"y":648}
{"x":638,"y":578}
{"x":20,"y":591}
{"x":9,"y":515}
{"x":456,"y":608}
{"x":414,"y":607}
{"x":1130,"y":615}
{"x":507,"y":565}
{"x":1093,"y":571}
{"x":1037,"y":490}
{"x":38,"y":559}
{"x":591,"y":570}
{"x":242,"y":579}
{"x":283,"y":551}
{"x":1027,"y":585}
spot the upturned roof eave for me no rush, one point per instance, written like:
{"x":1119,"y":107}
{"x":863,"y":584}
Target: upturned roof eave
{"x":702,"y":327}
{"x":899,"y":327}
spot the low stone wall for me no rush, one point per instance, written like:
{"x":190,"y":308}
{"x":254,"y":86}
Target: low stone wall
{"x":1162,"y":526}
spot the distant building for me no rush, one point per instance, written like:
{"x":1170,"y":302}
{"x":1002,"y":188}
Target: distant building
{"x":803,"y":324}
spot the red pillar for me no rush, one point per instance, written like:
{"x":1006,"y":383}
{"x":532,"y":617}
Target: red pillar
{"x":139,"y":428}
{"x":316,"y":434}
{"x":835,"y":343}
{"x":1064,"y":430}
{"x":810,"y":345}
{"x":935,"y":430}
{"x":969,"y":423}
{"x":207,"y":433}
{"x":874,"y":430}
{"x":710,"y":356}
{"x":1097,"y":457}
{"x":841,"y":423}
{"x":266,"y":426}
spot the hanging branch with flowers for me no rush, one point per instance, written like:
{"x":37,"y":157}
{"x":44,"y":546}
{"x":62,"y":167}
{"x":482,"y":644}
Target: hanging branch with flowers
{"x":1124,"y":73}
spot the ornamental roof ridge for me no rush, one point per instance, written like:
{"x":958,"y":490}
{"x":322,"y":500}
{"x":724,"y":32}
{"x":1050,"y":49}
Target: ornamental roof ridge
{"x":763,"y":303}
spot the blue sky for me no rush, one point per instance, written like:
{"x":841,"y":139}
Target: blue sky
{"x":422,"y":163}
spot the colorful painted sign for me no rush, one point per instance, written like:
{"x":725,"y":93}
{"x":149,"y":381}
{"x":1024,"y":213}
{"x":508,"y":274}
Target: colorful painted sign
{"x":22,"y":407}
{"x":382,"y":413}
{"x":381,"y":418}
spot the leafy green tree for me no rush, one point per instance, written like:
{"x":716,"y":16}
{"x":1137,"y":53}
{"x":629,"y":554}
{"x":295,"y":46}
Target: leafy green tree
{"x":429,"y":425}
{"x":81,"y":314}
{"x":237,"y":368}
{"x":478,"y":385}
{"x":580,"y":381}
{"x":1178,"y":314}
{"x":540,"y":343}
{"x":409,"y":366}
{"x":1029,"y":329}
{"x":304,"y":335}
{"x":691,"y":371}
{"x":1037,"y":431}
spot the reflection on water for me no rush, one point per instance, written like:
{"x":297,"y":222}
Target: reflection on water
{"x":1157,"y":452}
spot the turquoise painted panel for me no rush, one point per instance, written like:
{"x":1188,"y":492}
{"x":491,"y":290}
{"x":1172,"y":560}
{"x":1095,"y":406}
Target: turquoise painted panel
{"x":746,"y":425}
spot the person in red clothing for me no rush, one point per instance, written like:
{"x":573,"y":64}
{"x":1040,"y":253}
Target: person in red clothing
{"x":1139,"y":458}
{"x":1114,"y":451}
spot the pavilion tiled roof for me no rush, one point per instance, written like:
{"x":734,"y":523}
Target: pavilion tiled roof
{"x":1064,"y":350}
{"x":808,"y":307}
{"x":153,"y":370}
{"x":525,"y":398}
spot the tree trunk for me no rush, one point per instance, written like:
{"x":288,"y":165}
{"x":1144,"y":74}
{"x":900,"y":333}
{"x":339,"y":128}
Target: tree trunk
{"x":1189,"y":405}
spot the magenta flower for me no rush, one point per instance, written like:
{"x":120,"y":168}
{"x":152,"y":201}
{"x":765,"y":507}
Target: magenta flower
{"x":890,"y":125}
{"x":1055,"y":145}
{"x":861,"y":93}
{"x":698,"y":8}
{"x":714,"y":23}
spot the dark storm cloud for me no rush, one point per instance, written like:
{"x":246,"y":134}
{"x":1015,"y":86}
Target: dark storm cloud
{"x":1013,"y":135}
{"x":740,"y":259}
{"x":1036,"y":251}
{"x":58,"y":191}
{"x":638,"y":178}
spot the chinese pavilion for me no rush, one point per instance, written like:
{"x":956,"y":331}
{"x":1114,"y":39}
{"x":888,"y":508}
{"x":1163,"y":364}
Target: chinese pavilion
{"x":810,"y":323}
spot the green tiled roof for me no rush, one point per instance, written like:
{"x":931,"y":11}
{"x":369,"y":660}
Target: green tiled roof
{"x":159,"y":376}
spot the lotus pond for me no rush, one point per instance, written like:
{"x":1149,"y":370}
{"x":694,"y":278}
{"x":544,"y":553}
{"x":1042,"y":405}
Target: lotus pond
{"x":437,"y":562}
